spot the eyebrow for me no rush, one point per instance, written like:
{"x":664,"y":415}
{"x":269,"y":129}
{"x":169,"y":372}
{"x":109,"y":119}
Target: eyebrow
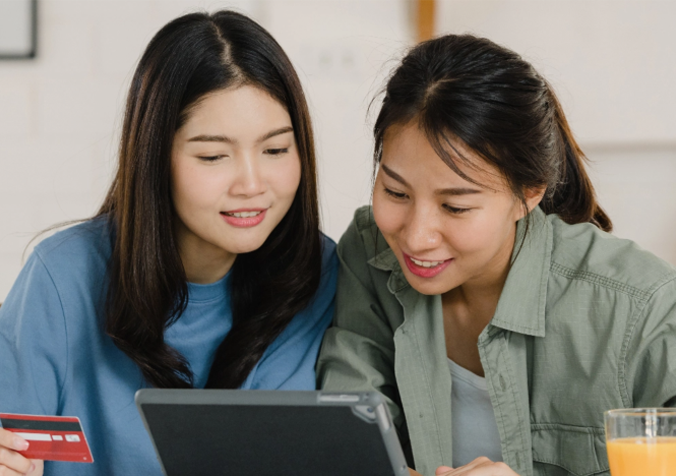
{"x":228,"y":140}
{"x":453,"y":191}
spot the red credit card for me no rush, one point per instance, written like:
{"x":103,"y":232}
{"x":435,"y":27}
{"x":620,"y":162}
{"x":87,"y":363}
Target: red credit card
{"x":51,"y":438}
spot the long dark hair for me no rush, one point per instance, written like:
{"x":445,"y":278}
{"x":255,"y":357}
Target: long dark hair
{"x":471,"y":89}
{"x":188,"y":58}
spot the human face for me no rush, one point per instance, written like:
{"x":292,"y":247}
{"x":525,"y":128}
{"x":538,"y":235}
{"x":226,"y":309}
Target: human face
{"x":445,"y":231}
{"x":234,"y":175}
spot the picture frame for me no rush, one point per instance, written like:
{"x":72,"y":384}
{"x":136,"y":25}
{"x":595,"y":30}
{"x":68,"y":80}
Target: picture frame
{"x":18,"y":29}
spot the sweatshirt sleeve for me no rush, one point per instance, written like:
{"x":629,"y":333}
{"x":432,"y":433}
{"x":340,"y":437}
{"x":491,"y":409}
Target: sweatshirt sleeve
{"x":33,"y":343}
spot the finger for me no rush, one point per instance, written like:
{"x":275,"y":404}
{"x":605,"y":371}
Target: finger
{"x":5,"y":471}
{"x":441,"y":470}
{"x":483,"y":468}
{"x":14,"y":462}
{"x":413,"y":472}
{"x":480,"y":460}
{"x":38,"y":468}
{"x":12,"y":441}
{"x":471,"y":469}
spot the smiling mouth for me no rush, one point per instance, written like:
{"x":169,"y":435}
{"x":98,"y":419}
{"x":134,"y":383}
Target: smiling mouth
{"x":425,"y":269}
{"x":243,"y":214}
{"x":244,"y":218}
{"x":426,"y":264}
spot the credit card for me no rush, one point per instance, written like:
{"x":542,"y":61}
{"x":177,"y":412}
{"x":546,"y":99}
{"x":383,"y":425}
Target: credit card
{"x":52,"y":438}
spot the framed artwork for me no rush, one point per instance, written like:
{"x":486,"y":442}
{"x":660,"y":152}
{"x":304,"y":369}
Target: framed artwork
{"x":18,"y":29}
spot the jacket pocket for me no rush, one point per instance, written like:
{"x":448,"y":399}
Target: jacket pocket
{"x":565,"y":450}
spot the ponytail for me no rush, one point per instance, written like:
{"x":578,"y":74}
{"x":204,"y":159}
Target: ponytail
{"x":573,"y":198}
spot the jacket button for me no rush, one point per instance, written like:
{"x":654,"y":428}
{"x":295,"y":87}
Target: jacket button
{"x":503,"y":384}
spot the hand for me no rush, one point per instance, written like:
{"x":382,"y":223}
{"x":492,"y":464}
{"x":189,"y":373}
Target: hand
{"x":11,"y":462}
{"x":479,"y":467}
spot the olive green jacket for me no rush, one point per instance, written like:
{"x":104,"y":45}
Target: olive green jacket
{"x":586,"y":322}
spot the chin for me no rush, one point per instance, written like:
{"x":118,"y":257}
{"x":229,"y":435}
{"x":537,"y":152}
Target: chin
{"x":427,"y":286}
{"x":248,"y":248}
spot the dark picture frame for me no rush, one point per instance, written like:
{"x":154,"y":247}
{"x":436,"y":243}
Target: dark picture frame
{"x":31,"y":27}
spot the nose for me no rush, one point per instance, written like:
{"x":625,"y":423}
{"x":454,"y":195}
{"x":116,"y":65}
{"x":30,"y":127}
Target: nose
{"x":422,"y":231}
{"x":249,"y":180}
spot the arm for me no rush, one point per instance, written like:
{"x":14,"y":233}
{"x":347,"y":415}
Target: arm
{"x":358,"y":351}
{"x":649,"y":364}
{"x":33,"y":355}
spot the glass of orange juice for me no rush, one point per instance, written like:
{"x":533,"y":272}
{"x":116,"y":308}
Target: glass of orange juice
{"x":641,"y":441}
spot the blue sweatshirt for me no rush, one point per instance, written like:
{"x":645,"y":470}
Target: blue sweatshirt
{"x":55,"y":358}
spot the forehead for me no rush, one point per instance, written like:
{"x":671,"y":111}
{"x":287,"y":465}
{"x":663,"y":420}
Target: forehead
{"x":236,"y":109}
{"x":408,"y":149}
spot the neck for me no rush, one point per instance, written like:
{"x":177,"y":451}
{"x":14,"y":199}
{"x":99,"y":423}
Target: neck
{"x":202,"y":269}
{"x":203,"y":262}
{"x":476,"y":300}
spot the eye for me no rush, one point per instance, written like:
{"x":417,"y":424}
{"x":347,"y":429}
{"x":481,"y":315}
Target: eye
{"x":276,"y":151}
{"x":456,"y":210}
{"x":211,"y":158}
{"x":392,"y":193}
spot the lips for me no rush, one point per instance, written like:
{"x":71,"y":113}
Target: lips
{"x":425,"y":268}
{"x":245,"y":217}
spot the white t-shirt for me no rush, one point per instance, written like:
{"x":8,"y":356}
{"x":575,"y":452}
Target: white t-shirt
{"x":475,"y":432}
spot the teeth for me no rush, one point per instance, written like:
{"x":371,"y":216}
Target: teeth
{"x":243,"y":214}
{"x":426,"y":264}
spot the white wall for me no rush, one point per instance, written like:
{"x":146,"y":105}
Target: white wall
{"x":612,"y":63}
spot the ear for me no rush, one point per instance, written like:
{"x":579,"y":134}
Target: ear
{"x":532,"y":196}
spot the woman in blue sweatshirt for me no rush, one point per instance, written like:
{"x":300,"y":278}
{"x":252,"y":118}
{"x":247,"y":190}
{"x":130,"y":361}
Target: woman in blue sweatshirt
{"x":204,"y":267}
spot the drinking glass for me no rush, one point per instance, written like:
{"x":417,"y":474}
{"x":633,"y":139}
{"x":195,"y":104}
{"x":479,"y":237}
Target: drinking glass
{"x":641,"y":441}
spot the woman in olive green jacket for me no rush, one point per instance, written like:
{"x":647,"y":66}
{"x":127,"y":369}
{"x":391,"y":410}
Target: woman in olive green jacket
{"x":482,"y":294}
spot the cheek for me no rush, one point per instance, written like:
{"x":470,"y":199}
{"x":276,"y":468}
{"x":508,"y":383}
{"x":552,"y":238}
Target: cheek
{"x":388,"y":216}
{"x":179,"y":185}
{"x":483,"y":235}
{"x":193,"y":187}
{"x":285,"y":177}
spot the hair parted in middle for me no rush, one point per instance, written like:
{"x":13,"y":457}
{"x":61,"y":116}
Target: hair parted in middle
{"x":466,"y":88}
{"x":190,"y":57}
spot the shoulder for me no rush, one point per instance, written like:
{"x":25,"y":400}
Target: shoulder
{"x":327,"y":284}
{"x":326,"y":292}
{"x":61,"y":283}
{"x":93,"y":235}
{"x":329,"y":258}
{"x":310,"y":323}
{"x":362,"y":236}
{"x":78,"y":250}
{"x":584,"y":252}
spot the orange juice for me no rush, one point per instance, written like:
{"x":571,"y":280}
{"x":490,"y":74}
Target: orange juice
{"x":642,"y":456}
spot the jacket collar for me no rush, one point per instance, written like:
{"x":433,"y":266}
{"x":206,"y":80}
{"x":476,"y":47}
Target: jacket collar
{"x":521,"y":307}
{"x":386,"y":260}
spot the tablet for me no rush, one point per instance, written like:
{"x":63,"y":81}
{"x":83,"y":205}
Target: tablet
{"x":261,"y":433}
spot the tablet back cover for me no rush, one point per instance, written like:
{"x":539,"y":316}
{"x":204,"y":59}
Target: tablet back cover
{"x":208,"y":439}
